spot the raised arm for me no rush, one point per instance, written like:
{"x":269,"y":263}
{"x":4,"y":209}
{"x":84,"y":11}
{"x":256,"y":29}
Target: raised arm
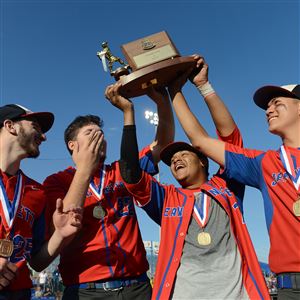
{"x":66,"y":225}
{"x":165,"y":130}
{"x":199,"y":138}
{"x":129,"y":160}
{"x":125,"y":105}
{"x":220,"y":114}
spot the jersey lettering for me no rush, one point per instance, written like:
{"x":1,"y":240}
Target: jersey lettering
{"x":173,"y":211}
{"x":26,"y":214}
{"x":281,"y":177}
{"x":222,"y":191}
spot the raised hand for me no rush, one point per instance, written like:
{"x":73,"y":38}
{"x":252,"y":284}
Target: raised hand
{"x":67,"y":223}
{"x":199,"y":76}
{"x":112,"y":94}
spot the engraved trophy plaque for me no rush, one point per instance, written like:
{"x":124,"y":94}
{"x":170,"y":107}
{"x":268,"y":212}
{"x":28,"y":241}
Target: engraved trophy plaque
{"x":154,"y":61}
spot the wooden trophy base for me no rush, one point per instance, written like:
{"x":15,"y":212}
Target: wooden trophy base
{"x":159,"y":74}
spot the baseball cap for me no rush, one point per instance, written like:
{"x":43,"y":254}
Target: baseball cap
{"x":167,"y":152}
{"x":16,"y":111}
{"x":266,"y":93}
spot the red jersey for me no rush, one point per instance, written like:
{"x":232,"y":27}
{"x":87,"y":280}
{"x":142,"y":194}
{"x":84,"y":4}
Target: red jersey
{"x":28,"y":229}
{"x":108,"y":247}
{"x":268,"y":172}
{"x":173,"y":208}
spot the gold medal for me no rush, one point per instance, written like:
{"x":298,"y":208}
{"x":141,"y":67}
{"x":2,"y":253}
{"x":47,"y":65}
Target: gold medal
{"x":6,"y":247}
{"x":99,"y":212}
{"x":204,"y":238}
{"x":296,"y":207}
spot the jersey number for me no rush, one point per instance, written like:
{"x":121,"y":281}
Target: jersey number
{"x":125,"y":207}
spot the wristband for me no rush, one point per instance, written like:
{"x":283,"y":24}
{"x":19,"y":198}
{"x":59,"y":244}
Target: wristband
{"x":206,"y":89}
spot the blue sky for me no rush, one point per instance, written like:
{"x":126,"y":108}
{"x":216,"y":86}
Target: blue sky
{"x":48,"y":63}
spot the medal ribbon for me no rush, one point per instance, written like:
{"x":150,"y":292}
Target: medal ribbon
{"x":290,"y":167}
{"x":10,"y":208}
{"x":98,"y":190}
{"x":201,"y":209}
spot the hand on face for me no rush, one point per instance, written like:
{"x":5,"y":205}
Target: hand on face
{"x":112,"y":94}
{"x":8,"y":272}
{"x":89,"y":148}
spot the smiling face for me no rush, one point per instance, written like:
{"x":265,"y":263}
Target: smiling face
{"x":188,"y":169}
{"x":283,"y":116}
{"x":30,"y":136}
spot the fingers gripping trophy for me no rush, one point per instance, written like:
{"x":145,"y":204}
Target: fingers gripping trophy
{"x":153,"y":61}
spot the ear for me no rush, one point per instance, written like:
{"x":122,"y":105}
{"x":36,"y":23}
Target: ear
{"x":10,"y":126}
{"x":203,"y":162}
{"x":298,"y":107}
{"x":71,"y":145}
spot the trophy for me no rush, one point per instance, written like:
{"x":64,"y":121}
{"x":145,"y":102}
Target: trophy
{"x":153,"y":61}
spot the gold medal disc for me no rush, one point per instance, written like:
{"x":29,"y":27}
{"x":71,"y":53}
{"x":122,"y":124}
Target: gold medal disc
{"x":6,"y":247}
{"x":99,"y":212}
{"x":296,"y":208}
{"x":204,"y":238}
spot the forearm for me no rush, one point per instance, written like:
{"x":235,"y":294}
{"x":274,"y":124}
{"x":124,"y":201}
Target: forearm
{"x":165,"y":130}
{"x":78,"y":189}
{"x":128,"y":114}
{"x":129,"y":161}
{"x":187,"y":119}
{"x":197,"y":135}
{"x":49,"y":251}
{"x":220,"y":114}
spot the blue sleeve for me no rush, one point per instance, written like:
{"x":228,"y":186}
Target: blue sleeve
{"x":147,"y":164}
{"x":155,"y":206}
{"x":243,"y":168}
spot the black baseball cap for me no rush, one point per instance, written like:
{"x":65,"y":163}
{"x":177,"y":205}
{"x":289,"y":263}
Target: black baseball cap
{"x":16,"y":111}
{"x":266,"y":93}
{"x":167,"y":153}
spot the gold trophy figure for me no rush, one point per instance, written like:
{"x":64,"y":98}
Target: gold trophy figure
{"x":106,"y":55}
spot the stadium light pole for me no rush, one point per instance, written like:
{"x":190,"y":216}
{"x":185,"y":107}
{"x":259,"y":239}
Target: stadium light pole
{"x":152,"y":118}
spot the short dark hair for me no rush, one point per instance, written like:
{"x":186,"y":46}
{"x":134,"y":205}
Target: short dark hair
{"x":79,"y":122}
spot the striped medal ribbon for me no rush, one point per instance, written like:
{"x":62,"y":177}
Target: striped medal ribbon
{"x":201,"y":215}
{"x":9,"y":210}
{"x":98,"y":211}
{"x":290,"y":166}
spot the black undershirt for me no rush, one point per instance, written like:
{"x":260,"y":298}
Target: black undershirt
{"x":129,"y":161}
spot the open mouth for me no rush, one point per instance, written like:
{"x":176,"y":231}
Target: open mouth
{"x":271,"y":119}
{"x":179,"y":166}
